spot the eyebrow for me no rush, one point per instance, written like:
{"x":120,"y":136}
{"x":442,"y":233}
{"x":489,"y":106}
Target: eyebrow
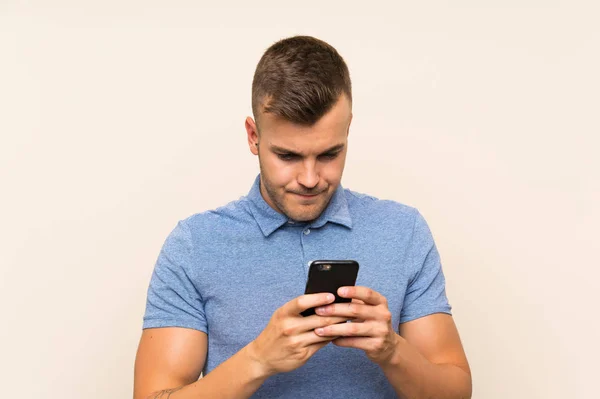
{"x":281,"y":150}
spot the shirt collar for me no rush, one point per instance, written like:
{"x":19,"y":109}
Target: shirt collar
{"x":269,"y":219}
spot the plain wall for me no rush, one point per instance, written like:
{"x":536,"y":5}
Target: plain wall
{"x":119,"y":118}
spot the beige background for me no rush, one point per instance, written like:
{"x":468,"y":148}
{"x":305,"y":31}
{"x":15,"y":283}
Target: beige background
{"x":118,"y":118}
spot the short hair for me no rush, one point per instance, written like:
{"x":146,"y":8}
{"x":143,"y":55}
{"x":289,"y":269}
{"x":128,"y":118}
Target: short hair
{"x":299,"y":79}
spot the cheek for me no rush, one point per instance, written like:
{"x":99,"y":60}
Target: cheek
{"x":332,"y":171}
{"x":280,"y":173}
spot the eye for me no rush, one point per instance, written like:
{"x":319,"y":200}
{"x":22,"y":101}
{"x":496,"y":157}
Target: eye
{"x":330,"y":156}
{"x":287,"y":157}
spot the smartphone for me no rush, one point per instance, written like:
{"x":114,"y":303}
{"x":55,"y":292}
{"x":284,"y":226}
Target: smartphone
{"x":329,"y":276}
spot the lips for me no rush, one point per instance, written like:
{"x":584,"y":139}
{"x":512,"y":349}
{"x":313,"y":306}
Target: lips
{"x":307,"y":195}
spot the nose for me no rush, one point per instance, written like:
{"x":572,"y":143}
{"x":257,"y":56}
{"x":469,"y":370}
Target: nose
{"x":308,"y":176}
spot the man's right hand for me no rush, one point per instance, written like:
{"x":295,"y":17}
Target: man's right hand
{"x":289,"y":340}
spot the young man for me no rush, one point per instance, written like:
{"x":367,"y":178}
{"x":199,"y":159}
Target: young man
{"x":226,"y":294}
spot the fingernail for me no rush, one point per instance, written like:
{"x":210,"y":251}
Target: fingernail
{"x":321,"y":310}
{"x":343,"y":291}
{"x":319,"y":331}
{"x":330,"y":297}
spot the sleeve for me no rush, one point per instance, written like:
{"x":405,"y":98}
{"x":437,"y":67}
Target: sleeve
{"x":173,"y":300}
{"x":426,"y":291}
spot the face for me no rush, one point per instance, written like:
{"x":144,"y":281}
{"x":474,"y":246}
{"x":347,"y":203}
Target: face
{"x":300,"y":166}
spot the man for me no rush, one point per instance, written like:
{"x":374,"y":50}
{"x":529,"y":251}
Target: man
{"x":226,"y":294}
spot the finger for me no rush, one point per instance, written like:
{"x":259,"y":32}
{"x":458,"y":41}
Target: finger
{"x":311,"y":322}
{"x":347,"y":330}
{"x":303,"y":302}
{"x":354,"y":311}
{"x":353,"y":342}
{"x":349,"y":310}
{"x":314,"y":348}
{"x":361,"y":303}
{"x":310,"y":338}
{"x":295,"y":326}
{"x":365,"y":294}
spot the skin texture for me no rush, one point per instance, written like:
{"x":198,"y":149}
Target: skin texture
{"x":174,"y":357}
{"x":296,"y":160}
{"x":373,"y":332}
{"x":301,"y":167}
{"x":289,"y":339}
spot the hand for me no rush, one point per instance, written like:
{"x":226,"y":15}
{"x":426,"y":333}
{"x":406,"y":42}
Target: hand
{"x":371,"y":330}
{"x":289,"y":340}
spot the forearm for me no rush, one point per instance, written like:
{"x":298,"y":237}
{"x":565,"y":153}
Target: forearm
{"x":415,"y":377}
{"x":238,"y":377}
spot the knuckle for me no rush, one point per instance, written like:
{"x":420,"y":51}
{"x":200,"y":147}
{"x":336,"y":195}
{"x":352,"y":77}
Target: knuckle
{"x":378,"y":345}
{"x":352,"y":309}
{"x":353,"y":328}
{"x":275,"y":318}
{"x":305,"y":355}
{"x":287,"y":329}
{"x":287,"y":332}
{"x":276,"y":314}
{"x":295,"y":343}
{"x":374,"y":329}
{"x":387,"y":316}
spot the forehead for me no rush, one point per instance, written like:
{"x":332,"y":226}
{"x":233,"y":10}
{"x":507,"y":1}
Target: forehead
{"x":330,"y":130}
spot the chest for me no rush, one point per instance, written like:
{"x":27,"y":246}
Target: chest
{"x":242,"y":281}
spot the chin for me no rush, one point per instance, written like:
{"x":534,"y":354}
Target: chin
{"x":305,"y":216}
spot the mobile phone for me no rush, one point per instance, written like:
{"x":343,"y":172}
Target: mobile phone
{"x":329,"y":276}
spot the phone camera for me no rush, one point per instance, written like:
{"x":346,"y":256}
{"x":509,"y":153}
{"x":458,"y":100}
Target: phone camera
{"x":324,"y":268}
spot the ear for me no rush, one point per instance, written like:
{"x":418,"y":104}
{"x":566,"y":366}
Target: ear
{"x":252,"y":132}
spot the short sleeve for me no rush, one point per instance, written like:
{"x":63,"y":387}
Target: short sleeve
{"x":426,"y":292}
{"x":173,"y":300}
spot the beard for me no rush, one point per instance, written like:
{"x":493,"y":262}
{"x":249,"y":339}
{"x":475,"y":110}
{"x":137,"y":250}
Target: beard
{"x":280,"y":197}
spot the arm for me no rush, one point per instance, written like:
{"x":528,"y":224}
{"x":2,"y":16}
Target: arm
{"x":426,"y":360}
{"x":429,"y":360}
{"x":169,"y":362}
{"x":170,"y":358}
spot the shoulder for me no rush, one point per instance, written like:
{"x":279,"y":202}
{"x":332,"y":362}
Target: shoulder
{"x":379,"y":210}
{"x":233,"y":214}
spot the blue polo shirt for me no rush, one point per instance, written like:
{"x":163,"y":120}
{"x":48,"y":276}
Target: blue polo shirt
{"x":225,"y":272}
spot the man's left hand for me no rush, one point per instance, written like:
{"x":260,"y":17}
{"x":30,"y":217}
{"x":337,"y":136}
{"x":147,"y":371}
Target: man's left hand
{"x":371,"y":330}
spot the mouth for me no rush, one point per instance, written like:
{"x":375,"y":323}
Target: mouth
{"x":307,"y":196}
